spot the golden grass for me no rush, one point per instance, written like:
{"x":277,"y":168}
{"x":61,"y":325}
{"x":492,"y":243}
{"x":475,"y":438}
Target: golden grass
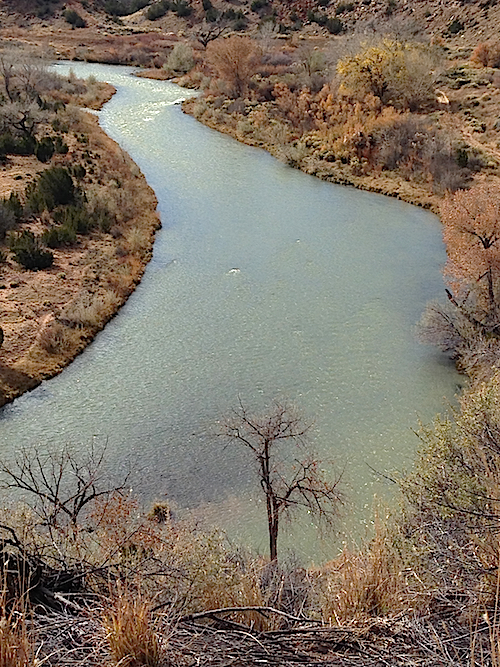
{"x":17,"y":647}
{"x":131,"y":633}
{"x":92,"y":312}
{"x":365,"y":583}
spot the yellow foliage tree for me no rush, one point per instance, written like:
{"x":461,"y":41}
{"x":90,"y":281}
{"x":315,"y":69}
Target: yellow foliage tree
{"x":398,"y":74}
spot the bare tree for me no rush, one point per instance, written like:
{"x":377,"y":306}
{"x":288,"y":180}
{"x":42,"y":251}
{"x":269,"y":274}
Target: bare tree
{"x":7,"y":71}
{"x":61,"y":483}
{"x":207,"y":32}
{"x":234,"y":59}
{"x":301,"y":483}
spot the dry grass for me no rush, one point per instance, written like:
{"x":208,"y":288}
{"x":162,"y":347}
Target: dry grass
{"x":131,"y":632}
{"x":91,"y":310}
{"x":55,"y":338}
{"x":17,"y":647}
{"x":365,"y":583}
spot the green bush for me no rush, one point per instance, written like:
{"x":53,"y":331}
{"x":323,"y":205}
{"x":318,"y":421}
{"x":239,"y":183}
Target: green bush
{"x":54,"y":187}
{"x":29,"y":251}
{"x":78,"y":171}
{"x":344,"y":7}
{"x":455,"y":27}
{"x":157,"y":10}
{"x":258,"y":4}
{"x":334,"y":26}
{"x":124,"y":7}
{"x":182,"y":8}
{"x":11,"y":145}
{"x":45,"y":149}
{"x":13,"y":203}
{"x":60,"y":146}
{"x":76,"y":218}
{"x":74,"y":18}
{"x":59,"y":236}
{"x":212,"y":15}
{"x":7,"y":218}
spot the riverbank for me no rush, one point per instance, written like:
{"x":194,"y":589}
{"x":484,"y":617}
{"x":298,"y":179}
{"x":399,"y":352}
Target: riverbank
{"x":392,"y":185}
{"x":49,"y":316}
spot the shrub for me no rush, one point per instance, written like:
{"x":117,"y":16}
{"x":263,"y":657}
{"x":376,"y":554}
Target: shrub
{"x":7,"y":218}
{"x":258,"y":4}
{"x":124,"y":7}
{"x":13,"y":203}
{"x":180,"y":59}
{"x":53,"y":338}
{"x":45,"y":149}
{"x":60,"y":146}
{"x":487,"y":54}
{"x":157,"y":10}
{"x":234,"y":60}
{"x":74,"y":18}
{"x":344,"y":7}
{"x":78,"y":171}
{"x":455,"y":27}
{"x":181,"y":8}
{"x":397,"y":73}
{"x":59,"y":236}
{"x":75,"y":218}
{"x":54,"y":187}
{"x":334,"y":26}
{"x":11,"y":145}
{"x":29,"y":252}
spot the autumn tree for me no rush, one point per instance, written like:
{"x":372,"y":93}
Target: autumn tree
{"x":234,"y":60}
{"x":471,"y":232}
{"x":397,"y":73}
{"x":290,"y":474}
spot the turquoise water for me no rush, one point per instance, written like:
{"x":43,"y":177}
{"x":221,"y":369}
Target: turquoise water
{"x":264,"y":283}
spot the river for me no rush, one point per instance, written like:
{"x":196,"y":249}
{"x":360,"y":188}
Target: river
{"x":265,"y":283}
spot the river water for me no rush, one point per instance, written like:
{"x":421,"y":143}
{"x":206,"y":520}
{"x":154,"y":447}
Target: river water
{"x":265,"y":283}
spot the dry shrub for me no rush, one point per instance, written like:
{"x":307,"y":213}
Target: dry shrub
{"x":361,"y":584}
{"x":16,"y":642}
{"x":53,"y":338}
{"x":138,"y":241}
{"x":234,"y":60}
{"x":131,"y":632}
{"x":91,"y":310}
{"x":487,"y":54}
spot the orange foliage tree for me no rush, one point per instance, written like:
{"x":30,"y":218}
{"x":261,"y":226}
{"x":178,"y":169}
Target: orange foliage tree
{"x":471,"y":220}
{"x":234,"y":60}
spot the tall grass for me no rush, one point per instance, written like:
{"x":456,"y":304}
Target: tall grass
{"x":17,"y":647}
{"x":131,"y":632}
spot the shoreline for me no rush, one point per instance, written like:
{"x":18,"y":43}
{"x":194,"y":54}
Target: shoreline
{"x":96,"y":276}
{"x":395,"y":186}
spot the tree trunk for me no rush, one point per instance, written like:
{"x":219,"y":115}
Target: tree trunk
{"x":273,"y":539}
{"x":491,"y":293}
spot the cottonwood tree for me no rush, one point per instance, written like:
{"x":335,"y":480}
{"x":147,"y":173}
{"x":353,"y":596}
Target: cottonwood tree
{"x":290,"y":474}
{"x":468,"y":326}
{"x":234,"y":60}
{"x":471,"y":231}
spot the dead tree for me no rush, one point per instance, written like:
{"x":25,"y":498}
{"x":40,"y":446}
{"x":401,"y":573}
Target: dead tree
{"x":302,"y":483}
{"x":61,"y":484}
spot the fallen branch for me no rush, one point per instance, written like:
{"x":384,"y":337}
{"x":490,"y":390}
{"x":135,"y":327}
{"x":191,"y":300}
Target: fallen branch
{"x":260,"y":610}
